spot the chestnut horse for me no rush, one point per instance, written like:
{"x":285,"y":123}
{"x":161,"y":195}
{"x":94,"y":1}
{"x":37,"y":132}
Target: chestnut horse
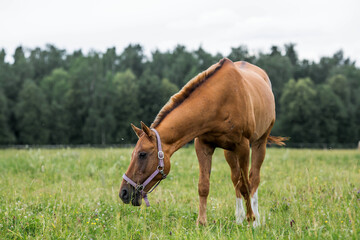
{"x":230,"y":106}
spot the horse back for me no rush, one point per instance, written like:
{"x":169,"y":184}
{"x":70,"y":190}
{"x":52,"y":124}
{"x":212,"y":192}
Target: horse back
{"x":248,"y":67}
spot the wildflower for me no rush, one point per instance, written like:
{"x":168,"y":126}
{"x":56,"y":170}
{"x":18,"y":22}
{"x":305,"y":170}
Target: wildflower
{"x":326,"y":221}
{"x":97,"y":219}
{"x":292,"y":222}
{"x":342,"y":221}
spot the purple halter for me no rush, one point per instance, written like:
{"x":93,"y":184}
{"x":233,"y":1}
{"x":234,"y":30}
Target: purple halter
{"x":160,"y":169}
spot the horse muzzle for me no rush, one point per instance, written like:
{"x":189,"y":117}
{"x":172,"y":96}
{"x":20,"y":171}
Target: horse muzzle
{"x":125,"y":194}
{"x":128,"y":194}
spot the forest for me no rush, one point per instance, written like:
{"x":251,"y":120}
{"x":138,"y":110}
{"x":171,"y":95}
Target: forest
{"x":49,"y":96}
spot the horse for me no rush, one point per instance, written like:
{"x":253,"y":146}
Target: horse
{"x":230,"y":106}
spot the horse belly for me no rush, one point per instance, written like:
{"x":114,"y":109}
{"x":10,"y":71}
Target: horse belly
{"x":227,"y":141}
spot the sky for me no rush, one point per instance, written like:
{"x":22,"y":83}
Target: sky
{"x":317,"y":27}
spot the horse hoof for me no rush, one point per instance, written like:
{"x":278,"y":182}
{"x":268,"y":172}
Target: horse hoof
{"x":250,"y":218}
{"x":256,"y":223}
{"x":240,"y":217}
{"x":201,"y":222}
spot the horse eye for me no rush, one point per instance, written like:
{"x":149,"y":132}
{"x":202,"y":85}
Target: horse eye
{"x":142,"y":155}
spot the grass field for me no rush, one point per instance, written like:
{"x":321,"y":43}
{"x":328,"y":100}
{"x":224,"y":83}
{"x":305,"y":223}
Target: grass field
{"x":73,"y":194}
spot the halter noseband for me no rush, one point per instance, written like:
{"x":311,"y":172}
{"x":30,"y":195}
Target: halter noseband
{"x":159,"y":169}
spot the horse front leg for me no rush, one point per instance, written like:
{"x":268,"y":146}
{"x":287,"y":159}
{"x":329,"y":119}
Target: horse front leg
{"x":204,"y":154}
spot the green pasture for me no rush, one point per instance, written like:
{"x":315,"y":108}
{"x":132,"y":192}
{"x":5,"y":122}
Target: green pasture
{"x":73,"y":194}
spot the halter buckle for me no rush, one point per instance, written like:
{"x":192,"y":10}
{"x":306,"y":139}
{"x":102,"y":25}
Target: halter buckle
{"x":139,"y":187}
{"x":161,"y":155}
{"x":161,"y":170}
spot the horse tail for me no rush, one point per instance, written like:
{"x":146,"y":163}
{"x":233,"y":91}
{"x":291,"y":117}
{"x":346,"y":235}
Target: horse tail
{"x":277,"y":140}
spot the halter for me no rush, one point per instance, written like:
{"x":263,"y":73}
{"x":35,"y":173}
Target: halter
{"x":159,"y":169}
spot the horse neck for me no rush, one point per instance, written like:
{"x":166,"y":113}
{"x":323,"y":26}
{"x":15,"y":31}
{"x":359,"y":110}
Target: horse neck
{"x":184,"y":123}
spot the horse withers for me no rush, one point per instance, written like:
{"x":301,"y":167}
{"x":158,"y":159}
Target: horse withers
{"x":230,"y":106}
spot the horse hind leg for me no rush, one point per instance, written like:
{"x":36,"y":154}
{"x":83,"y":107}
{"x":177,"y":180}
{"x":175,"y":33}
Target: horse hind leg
{"x":235,"y":177}
{"x":239,"y":211}
{"x":255,"y":207}
{"x":239,"y":164}
{"x":244,"y":171}
{"x":257,"y":158}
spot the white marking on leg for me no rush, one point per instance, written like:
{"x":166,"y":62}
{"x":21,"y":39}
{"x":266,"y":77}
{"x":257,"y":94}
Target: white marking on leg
{"x":255,"y":208}
{"x":239,"y":211}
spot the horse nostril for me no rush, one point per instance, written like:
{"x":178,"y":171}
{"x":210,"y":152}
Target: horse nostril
{"x":124,"y":195}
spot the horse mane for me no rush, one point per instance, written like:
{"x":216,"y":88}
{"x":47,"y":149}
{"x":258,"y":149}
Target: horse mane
{"x":186,"y":91}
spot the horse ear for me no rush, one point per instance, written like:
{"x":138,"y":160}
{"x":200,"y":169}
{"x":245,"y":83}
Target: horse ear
{"x":137,"y":131}
{"x":146,"y":129}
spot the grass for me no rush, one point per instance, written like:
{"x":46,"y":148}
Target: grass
{"x":73,"y":194}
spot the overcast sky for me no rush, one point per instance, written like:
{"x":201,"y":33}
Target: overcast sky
{"x":318,"y":27}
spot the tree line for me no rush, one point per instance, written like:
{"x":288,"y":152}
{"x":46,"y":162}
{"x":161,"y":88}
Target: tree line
{"x":50,"y":96}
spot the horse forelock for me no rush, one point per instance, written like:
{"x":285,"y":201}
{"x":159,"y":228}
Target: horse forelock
{"x":186,"y":91}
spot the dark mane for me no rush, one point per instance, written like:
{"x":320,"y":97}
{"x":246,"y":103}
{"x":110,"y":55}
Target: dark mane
{"x":185,"y":92}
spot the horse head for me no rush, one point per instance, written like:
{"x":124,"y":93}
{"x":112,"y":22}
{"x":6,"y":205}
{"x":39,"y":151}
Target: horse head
{"x":148,"y":166}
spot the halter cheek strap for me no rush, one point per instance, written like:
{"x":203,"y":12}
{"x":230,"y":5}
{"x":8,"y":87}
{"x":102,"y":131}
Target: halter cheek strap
{"x":160,"y":169}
